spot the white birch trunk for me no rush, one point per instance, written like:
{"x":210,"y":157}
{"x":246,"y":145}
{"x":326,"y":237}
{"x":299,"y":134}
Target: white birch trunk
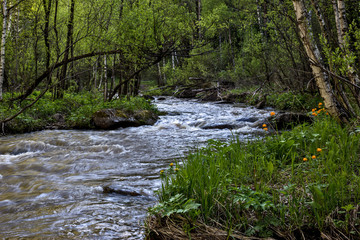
{"x":105,"y":78}
{"x":326,"y":91}
{"x":2,"y":51}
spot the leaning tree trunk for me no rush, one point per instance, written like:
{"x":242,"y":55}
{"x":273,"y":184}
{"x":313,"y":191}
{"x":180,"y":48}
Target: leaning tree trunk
{"x":333,"y":106}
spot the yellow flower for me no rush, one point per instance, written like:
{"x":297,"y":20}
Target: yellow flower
{"x":171,"y":164}
{"x":272,"y":113}
{"x":305,"y":159}
{"x":176,"y":169}
{"x":313,"y":157}
{"x":264,"y":125}
{"x":265,"y":129}
{"x":161,"y":171}
{"x":318,"y":149}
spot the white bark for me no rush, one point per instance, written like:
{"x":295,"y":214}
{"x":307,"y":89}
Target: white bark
{"x":2,"y":51}
{"x":326,"y":91}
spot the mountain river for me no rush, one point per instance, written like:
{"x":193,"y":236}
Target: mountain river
{"x":51,"y":182}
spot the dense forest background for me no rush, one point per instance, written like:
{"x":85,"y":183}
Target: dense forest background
{"x":113,"y":46}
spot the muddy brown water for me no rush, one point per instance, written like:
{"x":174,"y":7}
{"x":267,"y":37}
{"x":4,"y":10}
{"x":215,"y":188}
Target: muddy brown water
{"x":51,"y":181}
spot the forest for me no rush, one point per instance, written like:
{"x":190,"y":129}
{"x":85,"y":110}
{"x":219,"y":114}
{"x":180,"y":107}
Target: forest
{"x":114,"y":46}
{"x":78,"y":56}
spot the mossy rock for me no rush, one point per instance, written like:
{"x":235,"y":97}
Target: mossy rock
{"x":115,"y":118}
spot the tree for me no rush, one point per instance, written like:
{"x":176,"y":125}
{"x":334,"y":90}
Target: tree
{"x":332,"y":104}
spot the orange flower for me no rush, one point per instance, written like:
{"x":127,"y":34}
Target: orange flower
{"x":272,"y":113}
{"x":265,"y":129}
{"x":313,"y":110}
{"x":318,"y":149}
{"x":305,"y":159}
{"x":313,"y":157}
{"x":171,"y":164}
{"x":264,"y":125}
{"x":315,"y":114}
{"x":320,"y":104}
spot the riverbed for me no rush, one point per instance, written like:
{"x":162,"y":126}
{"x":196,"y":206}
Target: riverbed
{"x":51,"y":182}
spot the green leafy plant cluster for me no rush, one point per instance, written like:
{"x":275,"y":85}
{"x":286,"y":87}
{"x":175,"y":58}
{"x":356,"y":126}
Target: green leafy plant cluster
{"x":77,"y":110}
{"x":292,"y":101}
{"x":307,"y":178}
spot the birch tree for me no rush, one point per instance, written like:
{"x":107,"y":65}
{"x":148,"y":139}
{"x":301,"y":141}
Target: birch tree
{"x":334,"y":107}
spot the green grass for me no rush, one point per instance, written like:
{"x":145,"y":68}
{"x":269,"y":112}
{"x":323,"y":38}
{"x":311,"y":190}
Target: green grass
{"x":77,"y":109}
{"x":265,"y":187}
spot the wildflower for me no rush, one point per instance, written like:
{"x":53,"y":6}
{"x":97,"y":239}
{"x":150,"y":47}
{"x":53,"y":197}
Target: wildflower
{"x":319,"y":111}
{"x":313,"y":157}
{"x":320,"y":104}
{"x":264,"y":125}
{"x":272,"y":113}
{"x":176,"y":169}
{"x":171,"y":164}
{"x":315,"y":114}
{"x":305,"y":159}
{"x":318,"y":149}
{"x":313,"y":110}
{"x":265,"y":129}
{"x":161,"y":171}
{"x":327,"y":113}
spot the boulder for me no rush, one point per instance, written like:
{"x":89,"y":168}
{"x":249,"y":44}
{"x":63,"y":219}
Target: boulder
{"x":115,"y":118}
{"x":247,"y":119}
{"x":107,"y":189}
{"x":219,"y":126}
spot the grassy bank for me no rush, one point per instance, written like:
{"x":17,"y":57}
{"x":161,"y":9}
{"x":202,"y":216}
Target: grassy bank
{"x":72,"y":111}
{"x":302,"y":183}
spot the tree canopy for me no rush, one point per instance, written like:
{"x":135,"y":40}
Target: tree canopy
{"x":111,"y":45}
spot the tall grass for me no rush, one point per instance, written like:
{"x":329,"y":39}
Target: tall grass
{"x":307,"y":178}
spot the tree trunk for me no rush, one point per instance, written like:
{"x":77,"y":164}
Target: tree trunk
{"x":198,"y":14}
{"x":333,"y":106}
{"x":105,"y":79}
{"x":2,"y":51}
{"x":160,"y":82}
{"x":342,"y":30}
{"x":70,"y":28}
{"x":47,"y":9}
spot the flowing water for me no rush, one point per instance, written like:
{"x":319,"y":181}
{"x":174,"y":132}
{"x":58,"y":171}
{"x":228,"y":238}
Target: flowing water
{"x":51,"y":182}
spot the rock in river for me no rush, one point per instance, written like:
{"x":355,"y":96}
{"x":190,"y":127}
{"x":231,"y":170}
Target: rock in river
{"x":115,"y":118}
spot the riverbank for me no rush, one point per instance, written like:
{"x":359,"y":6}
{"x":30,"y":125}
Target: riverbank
{"x":302,"y":184}
{"x":75,"y":111}
{"x":262,"y":97}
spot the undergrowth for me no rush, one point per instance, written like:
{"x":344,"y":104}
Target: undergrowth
{"x":76,"y":109}
{"x":305,"y":181}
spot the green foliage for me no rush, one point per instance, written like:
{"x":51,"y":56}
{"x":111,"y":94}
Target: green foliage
{"x":289,"y":181}
{"x":176,"y":204}
{"x":293,"y":101}
{"x":76,"y":108}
